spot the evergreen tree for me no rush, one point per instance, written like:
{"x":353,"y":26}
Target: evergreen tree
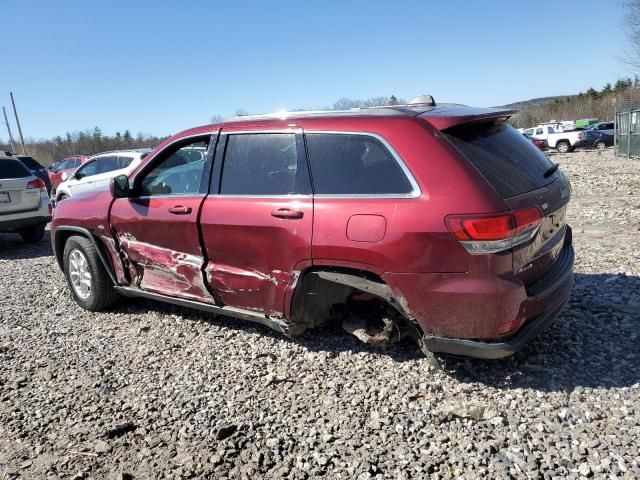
{"x":393,"y":100}
{"x":127,"y":136}
{"x":607,"y":89}
{"x":592,"y":93}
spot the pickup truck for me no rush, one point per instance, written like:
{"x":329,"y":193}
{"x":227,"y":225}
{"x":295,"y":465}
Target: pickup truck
{"x":563,"y":142}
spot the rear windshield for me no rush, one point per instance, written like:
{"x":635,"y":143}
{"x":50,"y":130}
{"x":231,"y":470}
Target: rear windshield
{"x":30,"y":162}
{"x":13,"y":169}
{"x":510,"y":163}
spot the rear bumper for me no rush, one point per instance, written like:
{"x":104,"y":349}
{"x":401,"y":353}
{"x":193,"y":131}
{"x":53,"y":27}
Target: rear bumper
{"x":466,"y":315}
{"x":494,"y":350}
{"x":18,"y":223}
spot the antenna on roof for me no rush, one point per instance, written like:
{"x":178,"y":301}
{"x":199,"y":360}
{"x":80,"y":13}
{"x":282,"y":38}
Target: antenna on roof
{"x":423,"y":100}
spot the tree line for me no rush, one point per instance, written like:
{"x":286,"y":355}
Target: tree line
{"x":601,"y":104}
{"x":87,"y":142}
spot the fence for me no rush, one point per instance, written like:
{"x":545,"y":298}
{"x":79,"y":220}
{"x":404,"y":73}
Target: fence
{"x":627,"y":139}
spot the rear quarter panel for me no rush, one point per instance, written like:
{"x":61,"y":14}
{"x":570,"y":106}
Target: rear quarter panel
{"x":416,"y":237}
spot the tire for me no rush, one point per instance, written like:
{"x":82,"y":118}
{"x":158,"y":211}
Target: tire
{"x":61,"y":197}
{"x":96,"y":292}
{"x":600,"y":145}
{"x":32,"y":234}
{"x":563,"y":146}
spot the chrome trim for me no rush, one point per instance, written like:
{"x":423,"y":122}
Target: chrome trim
{"x":415,"y":192}
{"x":290,"y":130}
{"x":288,"y":197}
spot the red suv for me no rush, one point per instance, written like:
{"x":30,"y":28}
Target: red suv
{"x":66,"y":165}
{"x":444,"y":221}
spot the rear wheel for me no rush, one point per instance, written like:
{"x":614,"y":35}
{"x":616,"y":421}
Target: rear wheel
{"x":88,"y":280}
{"x":32,"y":234}
{"x":563,"y":146}
{"x":600,"y":145}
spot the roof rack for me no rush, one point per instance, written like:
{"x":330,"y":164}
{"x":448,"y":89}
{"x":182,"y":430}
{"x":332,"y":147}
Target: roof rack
{"x":418,"y":105}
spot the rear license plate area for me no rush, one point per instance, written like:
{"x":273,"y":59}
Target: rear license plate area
{"x":5,"y":197}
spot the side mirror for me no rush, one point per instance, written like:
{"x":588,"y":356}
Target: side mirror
{"x":119,"y":187}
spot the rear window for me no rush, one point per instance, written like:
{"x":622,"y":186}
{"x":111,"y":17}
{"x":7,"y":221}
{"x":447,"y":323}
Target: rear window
{"x":510,"y":163}
{"x":13,"y":169}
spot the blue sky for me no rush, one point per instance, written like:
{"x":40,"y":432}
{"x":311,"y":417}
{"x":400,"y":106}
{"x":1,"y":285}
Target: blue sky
{"x":161,"y":67}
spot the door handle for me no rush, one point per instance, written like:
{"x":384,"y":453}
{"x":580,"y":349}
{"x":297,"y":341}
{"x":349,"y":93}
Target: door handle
{"x":287,"y":213}
{"x":180,"y":210}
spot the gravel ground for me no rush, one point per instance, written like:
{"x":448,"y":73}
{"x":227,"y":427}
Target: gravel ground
{"x":150,"y":391}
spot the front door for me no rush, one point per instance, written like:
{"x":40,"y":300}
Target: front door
{"x":157,"y":228}
{"x":256,"y":222}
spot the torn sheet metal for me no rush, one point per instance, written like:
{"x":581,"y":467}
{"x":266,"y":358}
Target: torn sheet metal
{"x":164,"y":270}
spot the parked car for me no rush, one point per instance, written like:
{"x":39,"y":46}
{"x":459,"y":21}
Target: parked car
{"x":288,"y":220}
{"x":597,"y":139}
{"x":541,"y":143}
{"x":24,"y":202}
{"x":563,"y":142}
{"x":97,"y":171}
{"x":64,"y":166}
{"x":603,"y":127}
{"x":38,"y":170}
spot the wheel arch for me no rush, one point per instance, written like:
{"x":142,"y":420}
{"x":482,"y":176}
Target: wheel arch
{"x":62,"y":235}
{"x":320,"y":288}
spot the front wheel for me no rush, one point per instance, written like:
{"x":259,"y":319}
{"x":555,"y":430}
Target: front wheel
{"x":88,"y":280}
{"x":32,"y":234}
{"x":600,"y":145}
{"x":563,"y":147}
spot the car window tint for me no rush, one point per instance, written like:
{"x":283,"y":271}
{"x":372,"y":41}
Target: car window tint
{"x":124,"y":161}
{"x":343,"y":164}
{"x":88,"y":169}
{"x":107,"y":164}
{"x":75,"y":162}
{"x":179,"y":173}
{"x":30,"y":163}
{"x":509,"y":163}
{"x":263,"y":164}
{"x":13,"y":169}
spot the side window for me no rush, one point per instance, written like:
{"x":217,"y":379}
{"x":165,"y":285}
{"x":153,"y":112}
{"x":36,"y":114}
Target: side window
{"x":124,"y":161}
{"x":264,"y":164}
{"x":107,"y":164}
{"x":343,"y":164}
{"x":88,"y":169}
{"x":75,"y":163}
{"x":179,"y":173}
{"x":539,"y":131}
{"x":550,"y":130}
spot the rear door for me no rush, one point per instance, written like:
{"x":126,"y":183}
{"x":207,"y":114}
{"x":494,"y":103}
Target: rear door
{"x":256,"y":223}
{"x":157,"y":228}
{"x":108,"y":167}
{"x":14,"y":195}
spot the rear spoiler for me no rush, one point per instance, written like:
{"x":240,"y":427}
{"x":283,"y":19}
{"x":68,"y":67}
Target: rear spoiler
{"x":447,"y":117}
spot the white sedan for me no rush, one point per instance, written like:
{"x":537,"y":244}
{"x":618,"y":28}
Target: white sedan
{"x":98,"y":170}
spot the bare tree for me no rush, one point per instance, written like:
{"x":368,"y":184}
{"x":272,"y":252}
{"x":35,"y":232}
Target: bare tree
{"x":632,"y":26}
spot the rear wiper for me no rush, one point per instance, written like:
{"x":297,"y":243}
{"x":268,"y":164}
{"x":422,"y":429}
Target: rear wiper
{"x":551,"y":170}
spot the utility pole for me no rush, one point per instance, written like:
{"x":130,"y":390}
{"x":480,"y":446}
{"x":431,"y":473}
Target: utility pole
{"x":6,"y":122}
{"x":15,"y":112}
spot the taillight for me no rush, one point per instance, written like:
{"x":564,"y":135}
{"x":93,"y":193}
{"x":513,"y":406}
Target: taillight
{"x":495,"y":232}
{"x":37,"y":183}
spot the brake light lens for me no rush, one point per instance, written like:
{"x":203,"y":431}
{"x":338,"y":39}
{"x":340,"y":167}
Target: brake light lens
{"x":37,"y":183}
{"x":493,"y":233}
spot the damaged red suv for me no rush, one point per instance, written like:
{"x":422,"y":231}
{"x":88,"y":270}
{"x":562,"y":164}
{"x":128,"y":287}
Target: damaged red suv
{"x":440,"y":222}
